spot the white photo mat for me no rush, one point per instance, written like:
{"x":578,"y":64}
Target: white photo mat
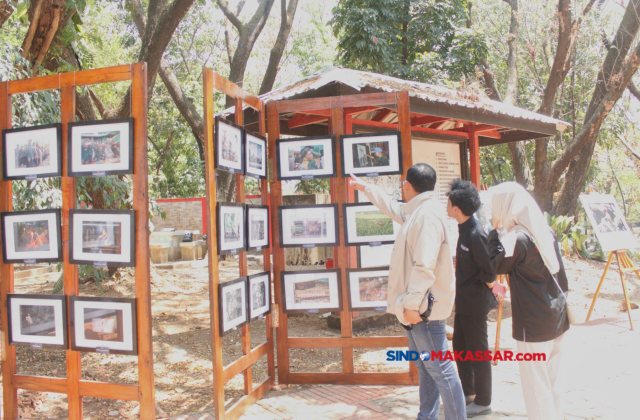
{"x":354,"y":288}
{"x":255,"y":214}
{"x":328,"y":164}
{"x":351,"y":226}
{"x":225,"y":244}
{"x":229,"y":140}
{"x":254,"y":143}
{"x":255,"y":282}
{"x":227,"y":323}
{"x":394,"y":154}
{"x":77,"y":131}
{"x":608,"y":222}
{"x":78,"y":307}
{"x":126,"y":240}
{"x":46,"y":136}
{"x":16,"y":331}
{"x":10,"y":239}
{"x":306,"y":214}
{"x":291,"y":279}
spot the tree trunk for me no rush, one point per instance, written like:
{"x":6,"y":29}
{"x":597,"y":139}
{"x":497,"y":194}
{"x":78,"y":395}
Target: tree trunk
{"x":46,"y":17}
{"x":5,"y":12}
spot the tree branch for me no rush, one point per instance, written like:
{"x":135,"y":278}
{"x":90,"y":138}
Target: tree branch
{"x":634,"y":153}
{"x":634,"y":90}
{"x":5,"y":12}
{"x":490,"y":82}
{"x":511,"y":94}
{"x":231,"y":16}
{"x":286,"y":23}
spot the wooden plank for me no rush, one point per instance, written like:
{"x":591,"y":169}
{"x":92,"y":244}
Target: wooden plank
{"x":229,"y":88}
{"x":404,"y":125}
{"x":381,"y":115}
{"x":139,"y":107}
{"x":427,"y":119}
{"x":41,"y":384}
{"x":78,"y":78}
{"x":241,"y":406}
{"x":478,"y":128}
{"x":449,"y":133}
{"x":353,"y":342}
{"x":245,"y":362}
{"x":359,"y":110}
{"x":105,"y":75}
{"x":9,"y":391}
{"x":331,"y":102}
{"x":474,"y":158}
{"x":362,"y":378}
{"x":212,"y":246}
{"x":68,"y":112}
{"x":300,"y":120}
{"x":109,"y":391}
{"x":34,"y":84}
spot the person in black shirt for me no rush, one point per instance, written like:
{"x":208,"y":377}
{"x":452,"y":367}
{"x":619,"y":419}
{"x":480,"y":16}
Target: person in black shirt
{"x":474,"y":299}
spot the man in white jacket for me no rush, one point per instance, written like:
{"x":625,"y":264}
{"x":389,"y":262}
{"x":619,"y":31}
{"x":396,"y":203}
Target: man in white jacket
{"x":421,"y":266}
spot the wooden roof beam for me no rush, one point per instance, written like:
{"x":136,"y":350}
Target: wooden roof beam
{"x":382,"y":115}
{"x":450,"y":133}
{"x":427,"y":119}
{"x":359,"y":110}
{"x":300,"y":120}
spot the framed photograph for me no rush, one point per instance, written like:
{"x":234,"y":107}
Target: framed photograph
{"x":311,"y":291}
{"x":257,"y":227}
{"x":103,"y":325}
{"x":102,"y":237}
{"x":368,"y":288}
{"x":32,"y":236}
{"x":99,"y":148}
{"x":365,"y":224}
{"x":259,"y":292}
{"x":229,"y":146}
{"x":256,"y":152}
{"x":32,"y":152}
{"x":371,"y":154}
{"x":37,"y":321}
{"x":306,"y":157}
{"x":608,"y":222}
{"x":232,"y":304}
{"x":308,"y":226}
{"x":231,"y":225}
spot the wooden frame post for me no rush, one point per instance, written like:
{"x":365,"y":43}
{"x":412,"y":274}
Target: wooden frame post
{"x":73,"y":385}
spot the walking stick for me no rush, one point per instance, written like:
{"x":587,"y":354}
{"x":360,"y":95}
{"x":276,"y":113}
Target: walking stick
{"x":497,"y":346}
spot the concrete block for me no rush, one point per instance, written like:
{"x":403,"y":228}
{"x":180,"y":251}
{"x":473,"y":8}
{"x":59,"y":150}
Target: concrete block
{"x":201,"y":248}
{"x":159,"y":253}
{"x":189,"y":251}
{"x":364,"y":321}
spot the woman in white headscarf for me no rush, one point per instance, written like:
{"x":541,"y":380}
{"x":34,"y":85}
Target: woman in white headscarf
{"x":528,"y":252}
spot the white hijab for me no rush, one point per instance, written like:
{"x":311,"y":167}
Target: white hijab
{"x":517,"y":211}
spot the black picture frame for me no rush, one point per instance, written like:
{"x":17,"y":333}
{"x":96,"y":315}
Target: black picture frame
{"x":220,"y":229}
{"x":350,"y":290}
{"x":58,"y":232}
{"x":131,"y":302}
{"x":286,"y":307}
{"x":248,"y":208}
{"x":347,"y":240}
{"x":346,"y":174}
{"x":281,"y":142}
{"x":247,"y":168}
{"x":59,"y":299}
{"x":5,"y":151}
{"x":99,"y":172}
{"x":221,"y":287}
{"x":218,"y":164}
{"x":310,"y":244}
{"x":267,"y":292}
{"x":101,"y":262}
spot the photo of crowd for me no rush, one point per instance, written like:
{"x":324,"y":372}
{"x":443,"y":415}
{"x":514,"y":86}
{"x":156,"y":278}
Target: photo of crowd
{"x":38,"y":320}
{"x":309,"y":228}
{"x":102,"y":237}
{"x":306,"y":158}
{"x":32,"y":154}
{"x":100,"y":148}
{"x":31,"y":236}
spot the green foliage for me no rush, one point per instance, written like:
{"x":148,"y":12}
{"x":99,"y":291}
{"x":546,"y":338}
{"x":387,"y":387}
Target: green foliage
{"x":571,"y":239}
{"x":313,"y":186}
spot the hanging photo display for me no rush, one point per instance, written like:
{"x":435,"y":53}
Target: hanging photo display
{"x":37,"y":321}
{"x":232,"y":304}
{"x":103,"y":325}
{"x":371,"y":154}
{"x":308,"y":226}
{"x":256,"y":152}
{"x":31,"y":236}
{"x":306,"y":157}
{"x":103,"y":238}
{"x":229,"y":146}
{"x":368,"y":288}
{"x":257,"y":227}
{"x":32,"y":152}
{"x":99,"y":148}
{"x":259,"y":291}
{"x":231,"y":225}
{"x":311,"y":291}
{"x":365,"y":224}
{"x":608,"y":222}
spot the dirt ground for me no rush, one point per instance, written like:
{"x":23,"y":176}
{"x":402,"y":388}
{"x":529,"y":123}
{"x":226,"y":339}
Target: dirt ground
{"x":182,"y":344}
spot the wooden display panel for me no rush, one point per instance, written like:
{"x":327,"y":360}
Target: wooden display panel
{"x":73,"y":385}
{"x":222,"y":374}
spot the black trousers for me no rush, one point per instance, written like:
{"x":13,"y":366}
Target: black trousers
{"x":470,"y":334}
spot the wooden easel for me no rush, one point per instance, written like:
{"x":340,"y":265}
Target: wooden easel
{"x":625,"y":265}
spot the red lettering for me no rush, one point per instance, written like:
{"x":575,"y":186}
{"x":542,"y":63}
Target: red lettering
{"x":469,"y":356}
{"x":479,"y":355}
{"x":457,"y":355}
{"x":508,"y":355}
{"x":488,"y":356}
{"x":448,"y":356}
{"x":498,"y":356}
{"x":436,"y":355}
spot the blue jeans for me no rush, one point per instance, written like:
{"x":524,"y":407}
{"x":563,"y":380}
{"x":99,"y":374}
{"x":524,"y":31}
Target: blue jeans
{"x":437,"y":378}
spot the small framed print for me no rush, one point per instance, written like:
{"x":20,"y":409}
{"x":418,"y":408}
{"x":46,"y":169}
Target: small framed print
{"x":371,"y":154}
{"x":31,"y":236}
{"x":229,"y":146}
{"x":32,"y":152}
{"x":608,"y":222}
{"x":103,"y":238}
{"x":259,"y":291}
{"x":368,"y":288}
{"x":231,"y":225}
{"x":38,"y":321}
{"x":311,"y":291}
{"x":257,"y":227}
{"x":306,"y":157}
{"x":256,"y":155}
{"x":99,"y":148}
{"x":103,"y":325}
{"x":365,"y":224}
{"x":308,"y":226}
{"x":232,"y":304}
